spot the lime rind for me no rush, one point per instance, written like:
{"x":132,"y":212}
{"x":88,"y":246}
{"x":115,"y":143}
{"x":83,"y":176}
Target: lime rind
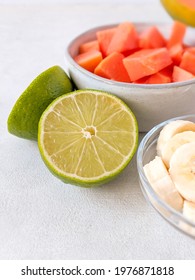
{"x":27,"y":110}
{"x":77,"y":180}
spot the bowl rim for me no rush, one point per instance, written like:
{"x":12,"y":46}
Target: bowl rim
{"x":116,"y":83}
{"x":142,"y":176}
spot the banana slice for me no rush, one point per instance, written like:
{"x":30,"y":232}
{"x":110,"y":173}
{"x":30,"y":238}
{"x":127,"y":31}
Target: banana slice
{"x":170,"y":130}
{"x":161,"y":182}
{"x":174,"y":143}
{"x":182,"y":170}
{"x":189,"y":210}
{"x":189,"y":213}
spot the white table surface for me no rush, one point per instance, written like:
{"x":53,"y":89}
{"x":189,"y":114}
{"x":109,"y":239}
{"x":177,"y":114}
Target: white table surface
{"x":41,"y":217}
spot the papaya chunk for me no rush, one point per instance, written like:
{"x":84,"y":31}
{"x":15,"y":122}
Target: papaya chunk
{"x":158,"y":78}
{"x":104,"y":37}
{"x":168,"y":71}
{"x":177,"y":34}
{"x":141,"y":80}
{"x":89,"y":46}
{"x":180,"y":75}
{"x":89,"y":60}
{"x":151,"y":38}
{"x":123,"y":53}
{"x":190,"y":49}
{"x":112,"y":68}
{"x":188,"y":62}
{"x":124,"y":39}
{"x":176,"y":52}
{"x":146,"y":62}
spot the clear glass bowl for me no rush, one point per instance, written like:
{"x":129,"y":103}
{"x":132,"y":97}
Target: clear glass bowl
{"x":146,"y":152}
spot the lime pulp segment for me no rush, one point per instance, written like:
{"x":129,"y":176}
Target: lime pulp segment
{"x":87,"y":136}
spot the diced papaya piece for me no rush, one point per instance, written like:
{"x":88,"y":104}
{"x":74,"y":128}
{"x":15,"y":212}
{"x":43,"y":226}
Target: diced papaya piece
{"x":168,"y":71}
{"x":177,"y":34}
{"x":180,"y":75}
{"x":111,"y":67}
{"x":162,"y":77}
{"x":127,"y":53}
{"x":125,"y":38}
{"x":188,"y":62}
{"x":158,"y":78}
{"x":89,"y":46}
{"x":141,"y":81}
{"x":190,"y":49}
{"x":89,"y":60}
{"x":104,"y":37}
{"x":176,"y":52}
{"x":146,"y":62}
{"x":151,"y":38}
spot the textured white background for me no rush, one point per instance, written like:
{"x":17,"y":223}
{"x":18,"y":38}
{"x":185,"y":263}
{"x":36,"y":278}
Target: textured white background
{"x":73,"y":1}
{"x":40,"y":217}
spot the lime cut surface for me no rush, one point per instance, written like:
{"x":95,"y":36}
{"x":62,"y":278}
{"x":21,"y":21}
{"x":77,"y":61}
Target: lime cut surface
{"x":24,"y":117}
{"x":87,"y":137}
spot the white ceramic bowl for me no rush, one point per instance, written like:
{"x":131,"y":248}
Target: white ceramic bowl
{"x":151,"y":104}
{"x":146,"y":152}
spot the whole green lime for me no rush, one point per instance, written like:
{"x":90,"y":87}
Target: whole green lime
{"x":24,"y":117}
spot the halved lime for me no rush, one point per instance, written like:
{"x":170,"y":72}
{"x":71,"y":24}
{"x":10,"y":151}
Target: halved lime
{"x":24,"y":117}
{"x":87,"y":137}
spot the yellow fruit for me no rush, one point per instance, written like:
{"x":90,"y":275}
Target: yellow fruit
{"x":24,"y":117}
{"x":181,"y":10}
{"x":87,"y":137}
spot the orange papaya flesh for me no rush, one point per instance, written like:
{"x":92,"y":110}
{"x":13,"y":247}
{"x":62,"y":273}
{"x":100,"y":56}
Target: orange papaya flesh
{"x":158,"y":78}
{"x":141,"y":80}
{"x":89,"y":60}
{"x":177,"y":34}
{"x":112,"y":68}
{"x":161,"y":77}
{"x":180,"y":75}
{"x":190,"y":49}
{"x":129,"y":52}
{"x":92,"y":45}
{"x":140,"y":60}
{"x":176,"y":52}
{"x":168,"y":71}
{"x":151,"y":38}
{"x":188,"y":62}
{"x":104,"y":37}
{"x":125,"y":38}
{"x":146,"y":62}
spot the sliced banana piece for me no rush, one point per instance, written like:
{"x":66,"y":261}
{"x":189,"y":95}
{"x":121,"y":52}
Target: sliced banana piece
{"x":182,"y":170}
{"x":170,"y":130}
{"x":189,"y":210}
{"x":189,"y":213}
{"x":174,"y":143}
{"x":161,"y":182}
